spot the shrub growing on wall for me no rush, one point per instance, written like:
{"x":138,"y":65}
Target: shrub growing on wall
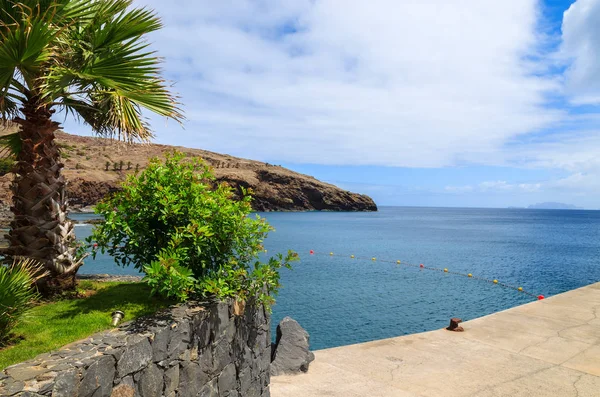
{"x":186,"y":235}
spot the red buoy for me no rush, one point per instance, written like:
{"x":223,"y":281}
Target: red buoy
{"x":312,"y":252}
{"x":421,"y":265}
{"x":540,"y":297}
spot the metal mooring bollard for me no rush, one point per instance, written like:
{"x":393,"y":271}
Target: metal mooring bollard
{"x":454,"y":321}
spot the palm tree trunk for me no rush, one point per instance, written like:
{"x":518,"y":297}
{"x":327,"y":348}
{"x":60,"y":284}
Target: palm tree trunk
{"x":40,"y":228}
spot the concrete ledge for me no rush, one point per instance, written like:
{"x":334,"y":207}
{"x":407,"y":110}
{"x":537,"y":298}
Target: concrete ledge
{"x":545,"y":348}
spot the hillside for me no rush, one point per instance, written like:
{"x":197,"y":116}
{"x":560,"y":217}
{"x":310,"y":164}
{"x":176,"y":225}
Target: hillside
{"x":92,"y":167}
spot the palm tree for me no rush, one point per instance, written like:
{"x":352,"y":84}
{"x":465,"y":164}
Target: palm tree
{"x":87,"y":59}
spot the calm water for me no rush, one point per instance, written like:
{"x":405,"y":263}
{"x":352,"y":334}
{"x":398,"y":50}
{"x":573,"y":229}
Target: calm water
{"x":342,"y":301}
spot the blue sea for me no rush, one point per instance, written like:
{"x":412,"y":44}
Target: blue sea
{"x":340,"y":300}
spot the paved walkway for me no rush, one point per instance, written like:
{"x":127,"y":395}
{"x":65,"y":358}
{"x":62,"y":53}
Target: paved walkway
{"x":545,"y":348}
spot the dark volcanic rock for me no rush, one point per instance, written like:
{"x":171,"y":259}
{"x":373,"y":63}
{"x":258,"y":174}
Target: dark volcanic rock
{"x":291,"y":353}
{"x":85,"y":193}
{"x":151,"y":382}
{"x":171,"y":380}
{"x":66,"y":384}
{"x":135,"y":358}
{"x":191,"y":379}
{"x":227,"y":379}
{"x":98,"y":379}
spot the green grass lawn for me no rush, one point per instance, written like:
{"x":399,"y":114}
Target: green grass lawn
{"x":51,"y":325}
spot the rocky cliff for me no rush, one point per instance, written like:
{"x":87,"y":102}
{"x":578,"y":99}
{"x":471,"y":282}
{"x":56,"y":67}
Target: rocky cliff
{"x":95,"y":166}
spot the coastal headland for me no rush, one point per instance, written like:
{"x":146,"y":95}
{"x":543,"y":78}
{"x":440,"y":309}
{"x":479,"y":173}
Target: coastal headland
{"x":94,"y":167}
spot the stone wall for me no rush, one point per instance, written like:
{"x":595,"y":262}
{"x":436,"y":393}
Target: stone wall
{"x":189,"y":350}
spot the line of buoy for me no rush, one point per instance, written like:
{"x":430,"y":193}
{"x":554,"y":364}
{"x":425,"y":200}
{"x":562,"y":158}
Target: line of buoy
{"x":445,"y":270}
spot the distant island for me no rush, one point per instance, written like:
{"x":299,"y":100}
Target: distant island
{"x":553,"y":206}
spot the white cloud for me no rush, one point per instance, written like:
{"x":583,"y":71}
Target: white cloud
{"x":459,"y":189}
{"x":429,"y":83}
{"x":529,"y":187}
{"x":581,"y":44}
{"x":496,"y":187}
{"x":577,"y":183}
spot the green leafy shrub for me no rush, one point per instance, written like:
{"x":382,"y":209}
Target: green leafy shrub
{"x":186,"y":235}
{"x":17,"y":293}
{"x":6,"y":165}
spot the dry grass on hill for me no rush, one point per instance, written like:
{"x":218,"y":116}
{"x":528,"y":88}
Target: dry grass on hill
{"x":95,"y":166}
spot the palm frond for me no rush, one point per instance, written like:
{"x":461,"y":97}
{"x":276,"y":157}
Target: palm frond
{"x":89,"y":57}
{"x":8,"y":108}
{"x":111,"y":70}
{"x":156,"y":98}
{"x":12,"y":10}
{"x":125,"y":26}
{"x":124,"y":68}
{"x":25,"y":46}
{"x":10,"y":145}
{"x":113,"y":116}
{"x":9,"y":13}
{"x":78,"y":11}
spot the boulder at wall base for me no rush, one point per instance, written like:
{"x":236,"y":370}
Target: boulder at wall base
{"x":291,"y":354}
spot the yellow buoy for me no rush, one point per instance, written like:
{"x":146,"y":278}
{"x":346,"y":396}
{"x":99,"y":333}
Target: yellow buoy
{"x":373,"y":258}
{"x":470,"y":275}
{"x":445,"y":270}
{"x":265,"y":251}
{"x":495,"y":281}
{"x":398,"y":262}
{"x":331,"y":253}
{"x":520,"y":288}
{"x":352,"y":256}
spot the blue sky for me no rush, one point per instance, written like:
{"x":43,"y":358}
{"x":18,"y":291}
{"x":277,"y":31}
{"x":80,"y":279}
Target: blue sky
{"x":478,"y":103}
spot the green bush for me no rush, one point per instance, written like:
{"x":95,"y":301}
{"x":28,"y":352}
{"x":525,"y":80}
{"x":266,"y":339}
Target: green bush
{"x":6,"y":165}
{"x":186,"y":235}
{"x":17,"y":293}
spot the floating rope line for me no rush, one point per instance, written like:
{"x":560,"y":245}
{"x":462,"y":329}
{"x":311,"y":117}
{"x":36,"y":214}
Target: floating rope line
{"x":444,"y":270}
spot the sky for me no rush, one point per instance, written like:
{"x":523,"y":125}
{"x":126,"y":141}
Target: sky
{"x":469,"y":103}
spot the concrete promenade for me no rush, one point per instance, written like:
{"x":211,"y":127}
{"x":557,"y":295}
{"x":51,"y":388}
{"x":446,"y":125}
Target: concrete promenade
{"x":545,"y":348}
